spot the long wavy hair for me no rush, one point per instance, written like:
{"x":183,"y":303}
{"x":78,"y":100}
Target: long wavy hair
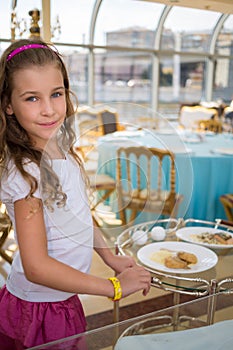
{"x":15,"y":144}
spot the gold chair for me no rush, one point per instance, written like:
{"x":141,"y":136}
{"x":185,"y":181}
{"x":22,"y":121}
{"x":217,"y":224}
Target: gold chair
{"x":227,"y":202}
{"x":210,"y":125}
{"x":142,"y":183}
{"x":5,"y":228}
{"x":102,"y":186}
{"x":228,"y":119}
{"x":88,"y":125}
{"x":228,"y":112}
{"x":147,"y":122}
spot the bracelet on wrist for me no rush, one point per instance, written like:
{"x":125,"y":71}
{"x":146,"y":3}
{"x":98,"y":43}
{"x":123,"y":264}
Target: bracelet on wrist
{"x":117,"y":288}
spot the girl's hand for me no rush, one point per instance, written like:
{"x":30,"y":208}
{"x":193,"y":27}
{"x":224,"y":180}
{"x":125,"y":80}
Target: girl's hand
{"x":119,"y":263}
{"x":134,"y":279}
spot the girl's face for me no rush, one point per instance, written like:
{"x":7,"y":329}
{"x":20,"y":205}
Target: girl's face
{"x":38,"y":102}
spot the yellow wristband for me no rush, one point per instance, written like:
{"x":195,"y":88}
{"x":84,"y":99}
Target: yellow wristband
{"x":117,"y":288}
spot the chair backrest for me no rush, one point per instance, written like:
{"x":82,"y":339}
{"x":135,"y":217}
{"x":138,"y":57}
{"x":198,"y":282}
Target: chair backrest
{"x":190,"y":115}
{"x":228,"y":113}
{"x":149,"y":172}
{"x":87,"y":113}
{"x":88,"y":125}
{"x":108,"y":120}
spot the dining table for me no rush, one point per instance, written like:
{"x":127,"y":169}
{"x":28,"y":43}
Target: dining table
{"x":204,"y":166}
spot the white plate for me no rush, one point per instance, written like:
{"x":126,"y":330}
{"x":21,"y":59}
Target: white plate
{"x":128,"y":133}
{"x":191,"y":140}
{"x":164,"y":131}
{"x":186,"y":233}
{"x":182,"y":150}
{"x":206,"y":257}
{"x":225,"y":151}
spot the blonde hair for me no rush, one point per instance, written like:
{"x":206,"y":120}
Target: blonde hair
{"x":15,"y":143}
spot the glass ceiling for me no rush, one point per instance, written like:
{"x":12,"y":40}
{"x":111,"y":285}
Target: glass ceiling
{"x":121,"y":42}
{"x":113,"y":15}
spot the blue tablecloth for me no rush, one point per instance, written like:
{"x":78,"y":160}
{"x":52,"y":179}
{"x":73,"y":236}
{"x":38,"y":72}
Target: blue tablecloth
{"x":204,"y":172}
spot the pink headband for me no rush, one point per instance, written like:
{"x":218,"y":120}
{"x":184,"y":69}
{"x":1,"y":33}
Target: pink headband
{"x":25,"y":47}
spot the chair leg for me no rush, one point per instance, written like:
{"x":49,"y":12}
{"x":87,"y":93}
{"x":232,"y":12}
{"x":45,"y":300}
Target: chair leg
{"x":3,"y":238}
{"x":228,"y":212}
{"x":122,"y":216}
{"x":133,"y":216}
{"x":96,"y":220}
{"x":103,"y":197}
{"x":5,"y":256}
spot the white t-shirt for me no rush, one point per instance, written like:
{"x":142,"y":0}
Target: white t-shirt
{"x":69,"y":229}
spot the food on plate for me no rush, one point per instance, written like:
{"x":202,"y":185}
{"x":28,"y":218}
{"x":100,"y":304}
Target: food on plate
{"x":174,"y":259}
{"x":188,"y":257}
{"x":173,"y":262}
{"x":212,"y":238}
{"x":160,"y":256}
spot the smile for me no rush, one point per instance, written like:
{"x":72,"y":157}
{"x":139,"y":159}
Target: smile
{"x":48,"y":125}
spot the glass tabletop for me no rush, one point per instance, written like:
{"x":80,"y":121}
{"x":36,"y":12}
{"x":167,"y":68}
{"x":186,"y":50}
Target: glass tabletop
{"x":141,"y":332}
{"x":154,"y":242}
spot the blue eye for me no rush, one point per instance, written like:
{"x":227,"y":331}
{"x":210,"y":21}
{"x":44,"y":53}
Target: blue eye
{"x":32,"y":98}
{"x":57,"y":94}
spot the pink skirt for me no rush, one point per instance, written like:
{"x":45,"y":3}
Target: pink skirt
{"x":26,"y":324}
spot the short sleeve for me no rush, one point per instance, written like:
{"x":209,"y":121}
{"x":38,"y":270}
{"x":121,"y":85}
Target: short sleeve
{"x":15,"y":187}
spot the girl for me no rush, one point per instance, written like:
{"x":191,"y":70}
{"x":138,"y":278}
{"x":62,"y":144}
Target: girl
{"x":43,"y":188}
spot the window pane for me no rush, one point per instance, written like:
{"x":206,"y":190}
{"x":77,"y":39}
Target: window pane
{"x":5,"y":19}
{"x":74,"y":17}
{"x":182,"y":33}
{"x":122,"y":76}
{"x":121,"y":23}
{"x":223,"y":80}
{"x":76,"y":61}
{"x":224,"y":45}
{"x":181,"y":79}
{"x":22,"y":20}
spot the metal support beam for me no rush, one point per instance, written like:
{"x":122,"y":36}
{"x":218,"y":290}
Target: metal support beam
{"x":46,"y":21}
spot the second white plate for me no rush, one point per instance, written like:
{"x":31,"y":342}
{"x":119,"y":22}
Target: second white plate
{"x":189,"y":234}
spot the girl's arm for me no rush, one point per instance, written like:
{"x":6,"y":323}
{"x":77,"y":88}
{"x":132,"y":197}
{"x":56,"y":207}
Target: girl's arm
{"x":117,"y":262}
{"x":42,"y":269}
